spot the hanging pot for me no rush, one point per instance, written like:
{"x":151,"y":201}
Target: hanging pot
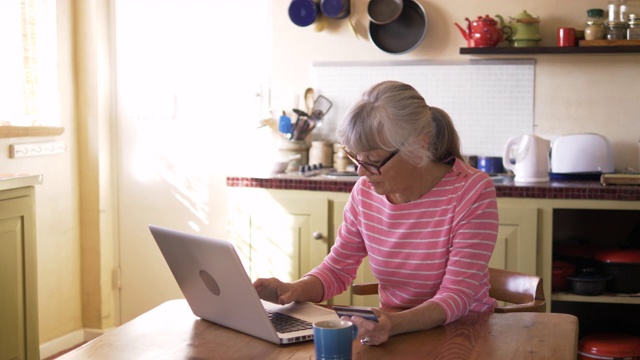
{"x":336,"y":9}
{"x":384,"y":11}
{"x":303,"y":12}
{"x":405,"y":33}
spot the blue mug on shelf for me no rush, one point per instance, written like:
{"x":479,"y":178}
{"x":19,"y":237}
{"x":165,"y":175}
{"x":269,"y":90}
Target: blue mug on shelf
{"x":490,"y":164}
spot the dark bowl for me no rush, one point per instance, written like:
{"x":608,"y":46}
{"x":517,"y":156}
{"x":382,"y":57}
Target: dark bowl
{"x":588,"y":284}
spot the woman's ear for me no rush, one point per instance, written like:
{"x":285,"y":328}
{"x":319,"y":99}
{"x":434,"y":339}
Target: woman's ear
{"x":423,"y":140}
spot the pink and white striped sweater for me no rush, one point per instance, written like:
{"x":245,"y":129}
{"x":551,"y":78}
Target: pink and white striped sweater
{"x":433,"y":249}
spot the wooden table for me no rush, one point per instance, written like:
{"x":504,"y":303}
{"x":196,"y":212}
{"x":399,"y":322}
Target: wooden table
{"x":171,"y":331}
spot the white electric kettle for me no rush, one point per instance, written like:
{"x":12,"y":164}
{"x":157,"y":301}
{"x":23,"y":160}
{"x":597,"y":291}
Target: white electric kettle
{"x":531,"y":158}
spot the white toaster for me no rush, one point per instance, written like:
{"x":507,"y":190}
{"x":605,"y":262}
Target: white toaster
{"x":581,"y":153}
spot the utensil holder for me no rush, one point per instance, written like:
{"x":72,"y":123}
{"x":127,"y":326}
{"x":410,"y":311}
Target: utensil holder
{"x":290,"y":148}
{"x":321,"y":152}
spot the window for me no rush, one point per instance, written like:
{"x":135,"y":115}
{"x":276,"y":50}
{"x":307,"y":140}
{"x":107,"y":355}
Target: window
{"x":29,"y":93}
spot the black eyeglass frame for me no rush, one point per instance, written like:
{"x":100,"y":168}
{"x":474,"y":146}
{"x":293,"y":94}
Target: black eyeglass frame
{"x":372,"y":168}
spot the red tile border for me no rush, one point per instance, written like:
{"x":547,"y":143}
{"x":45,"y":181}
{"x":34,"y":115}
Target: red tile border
{"x":558,"y":189}
{"x":292,"y":184}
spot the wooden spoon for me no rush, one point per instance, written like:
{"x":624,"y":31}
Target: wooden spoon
{"x":309,"y":99}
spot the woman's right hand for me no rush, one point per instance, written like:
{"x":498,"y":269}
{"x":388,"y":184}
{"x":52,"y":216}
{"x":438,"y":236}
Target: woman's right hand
{"x":274,"y":290}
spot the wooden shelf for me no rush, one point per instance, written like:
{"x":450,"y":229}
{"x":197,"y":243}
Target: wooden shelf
{"x":606,"y":298}
{"x":22,"y":131}
{"x":551,"y":50}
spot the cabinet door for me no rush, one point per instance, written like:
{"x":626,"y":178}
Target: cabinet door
{"x":18,"y":281}
{"x":12,"y":311}
{"x":279,"y":234}
{"x":516,"y":246}
{"x":364,"y":274}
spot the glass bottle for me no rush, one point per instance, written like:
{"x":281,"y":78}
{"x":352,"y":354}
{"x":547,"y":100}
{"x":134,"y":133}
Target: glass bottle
{"x":622,"y":11}
{"x":616,"y":28}
{"x":617,"y":11}
{"x":633,"y":31}
{"x":595,"y":29}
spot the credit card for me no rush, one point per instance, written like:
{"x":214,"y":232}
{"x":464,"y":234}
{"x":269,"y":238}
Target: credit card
{"x":363,"y":312}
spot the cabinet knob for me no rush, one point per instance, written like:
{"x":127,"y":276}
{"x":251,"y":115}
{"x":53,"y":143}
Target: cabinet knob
{"x":317,"y":235}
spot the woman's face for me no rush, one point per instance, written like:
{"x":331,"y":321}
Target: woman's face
{"x":395,"y":175}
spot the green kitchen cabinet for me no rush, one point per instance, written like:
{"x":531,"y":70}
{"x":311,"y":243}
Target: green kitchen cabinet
{"x":278,"y":233}
{"x":18,"y":279}
{"x":516,"y":245}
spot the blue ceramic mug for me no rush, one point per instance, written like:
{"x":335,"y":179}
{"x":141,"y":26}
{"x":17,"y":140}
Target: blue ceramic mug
{"x":490,"y":164}
{"x":333,"y":339}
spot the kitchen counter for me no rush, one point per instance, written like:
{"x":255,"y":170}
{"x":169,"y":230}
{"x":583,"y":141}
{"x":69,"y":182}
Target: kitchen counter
{"x":14,"y":181}
{"x":505,"y":187}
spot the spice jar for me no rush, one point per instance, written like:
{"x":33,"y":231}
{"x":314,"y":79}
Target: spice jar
{"x":341,"y":161}
{"x":633,"y":31}
{"x":595,"y":29}
{"x":616,"y":30}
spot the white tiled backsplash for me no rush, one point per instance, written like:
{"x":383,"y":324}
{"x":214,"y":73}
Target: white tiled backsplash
{"x":488,"y":100}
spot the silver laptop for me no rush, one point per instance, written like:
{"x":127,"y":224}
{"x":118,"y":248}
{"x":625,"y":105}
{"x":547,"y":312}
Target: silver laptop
{"x":218,"y":289}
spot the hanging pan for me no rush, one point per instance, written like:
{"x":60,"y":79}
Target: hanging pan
{"x":303,"y":12}
{"x":403,"y":34}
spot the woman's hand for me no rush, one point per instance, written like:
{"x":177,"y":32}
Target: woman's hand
{"x":371,"y":332}
{"x":274,"y":290}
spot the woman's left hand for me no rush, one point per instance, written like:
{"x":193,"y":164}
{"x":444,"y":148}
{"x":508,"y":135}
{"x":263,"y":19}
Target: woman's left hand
{"x":371,"y":332}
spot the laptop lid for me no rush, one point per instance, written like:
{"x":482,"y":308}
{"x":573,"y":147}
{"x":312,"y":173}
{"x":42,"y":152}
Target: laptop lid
{"x":218,"y":289}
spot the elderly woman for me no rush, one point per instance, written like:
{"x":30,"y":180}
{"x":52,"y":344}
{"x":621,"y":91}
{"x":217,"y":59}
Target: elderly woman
{"x":427,"y":221}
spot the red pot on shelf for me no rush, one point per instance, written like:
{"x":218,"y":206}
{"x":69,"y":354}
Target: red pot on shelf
{"x":561,"y":270}
{"x":623,"y":265}
{"x":612,"y":346}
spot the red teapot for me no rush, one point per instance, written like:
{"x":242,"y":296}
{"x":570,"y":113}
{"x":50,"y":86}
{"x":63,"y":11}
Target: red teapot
{"x":484,"y":32}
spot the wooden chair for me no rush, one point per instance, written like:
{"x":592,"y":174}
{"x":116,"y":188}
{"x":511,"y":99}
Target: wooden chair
{"x":515,"y":291}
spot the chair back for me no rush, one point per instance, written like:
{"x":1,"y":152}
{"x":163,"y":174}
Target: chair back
{"x":521,"y":292}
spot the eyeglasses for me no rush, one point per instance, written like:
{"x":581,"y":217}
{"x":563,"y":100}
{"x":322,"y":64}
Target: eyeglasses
{"x":372,"y":168}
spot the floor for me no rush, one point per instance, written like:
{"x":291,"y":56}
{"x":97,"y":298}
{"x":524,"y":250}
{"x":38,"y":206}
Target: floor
{"x":55,"y":356}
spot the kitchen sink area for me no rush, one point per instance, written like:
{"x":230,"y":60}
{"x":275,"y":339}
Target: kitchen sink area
{"x":501,"y":179}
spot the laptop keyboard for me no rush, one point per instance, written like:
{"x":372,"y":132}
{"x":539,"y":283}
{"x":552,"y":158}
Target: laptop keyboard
{"x":286,"y":324}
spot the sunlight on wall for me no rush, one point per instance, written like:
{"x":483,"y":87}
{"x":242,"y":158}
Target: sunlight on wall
{"x":266,"y":236}
{"x":275,"y":249}
{"x":29,"y":92}
{"x":187,"y":99}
